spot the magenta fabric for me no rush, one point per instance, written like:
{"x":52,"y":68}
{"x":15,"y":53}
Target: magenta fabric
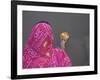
{"x":39,"y":51}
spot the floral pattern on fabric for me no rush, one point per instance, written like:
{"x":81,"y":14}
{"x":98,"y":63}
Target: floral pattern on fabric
{"x":39,"y":52}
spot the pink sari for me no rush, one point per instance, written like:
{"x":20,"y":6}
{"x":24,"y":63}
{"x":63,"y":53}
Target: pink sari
{"x":39,"y":52}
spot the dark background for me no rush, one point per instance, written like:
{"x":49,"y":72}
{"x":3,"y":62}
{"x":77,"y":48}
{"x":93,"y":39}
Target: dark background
{"x":76,"y":24}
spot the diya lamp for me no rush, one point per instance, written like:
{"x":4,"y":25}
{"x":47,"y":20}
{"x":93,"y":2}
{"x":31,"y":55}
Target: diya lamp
{"x":64,"y":36}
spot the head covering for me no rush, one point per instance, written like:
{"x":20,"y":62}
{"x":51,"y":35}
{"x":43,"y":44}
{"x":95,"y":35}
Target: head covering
{"x":39,"y":51}
{"x":41,"y":38}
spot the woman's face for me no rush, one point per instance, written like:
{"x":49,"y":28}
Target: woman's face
{"x":45,"y":44}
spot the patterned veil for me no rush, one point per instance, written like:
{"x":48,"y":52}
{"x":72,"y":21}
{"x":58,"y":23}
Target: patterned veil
{"x":39,"y":52}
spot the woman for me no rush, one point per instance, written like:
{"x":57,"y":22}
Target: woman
{"x":39,"y":52}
